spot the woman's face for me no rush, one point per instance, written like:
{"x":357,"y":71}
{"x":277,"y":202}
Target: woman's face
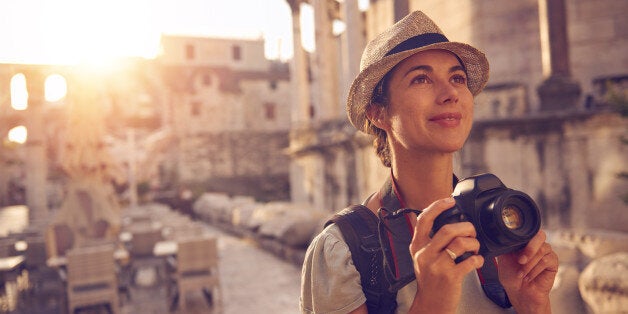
{"x":430,"y":106}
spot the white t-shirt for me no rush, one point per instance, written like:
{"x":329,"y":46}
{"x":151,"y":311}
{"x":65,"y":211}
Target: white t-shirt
{"x":330,"y":283}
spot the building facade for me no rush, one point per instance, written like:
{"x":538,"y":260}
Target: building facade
{"x":207,"y":114}
{"x":230,"y":116}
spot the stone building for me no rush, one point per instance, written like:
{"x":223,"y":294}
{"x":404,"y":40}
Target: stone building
{"x":230,"y":116}
{"x":208,"y":114}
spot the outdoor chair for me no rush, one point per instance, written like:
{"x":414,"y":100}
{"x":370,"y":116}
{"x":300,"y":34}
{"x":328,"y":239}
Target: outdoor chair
{"x":59,"y":239}
{"x":141,"y":248}
{"x":197,"y":269}
{"x":46,"y":287}
{"x":92,"y":278}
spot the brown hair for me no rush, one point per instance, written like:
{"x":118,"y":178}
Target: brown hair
{"x":380,"y":99}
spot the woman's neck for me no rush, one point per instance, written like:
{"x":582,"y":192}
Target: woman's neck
{"x":423,"y":179}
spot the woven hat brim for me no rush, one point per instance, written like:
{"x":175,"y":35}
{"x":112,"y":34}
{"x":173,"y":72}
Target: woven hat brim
{"x":361,"y":90}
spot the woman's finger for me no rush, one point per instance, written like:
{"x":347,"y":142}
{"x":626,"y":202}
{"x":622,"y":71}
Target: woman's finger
{"x":425,"y":220}
{"x":538,"y":262}
{"x":532,"y":247}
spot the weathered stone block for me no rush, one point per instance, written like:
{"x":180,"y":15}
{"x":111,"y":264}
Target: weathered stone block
{"x":604,"y":284}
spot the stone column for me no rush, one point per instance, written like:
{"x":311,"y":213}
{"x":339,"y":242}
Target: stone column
{"x":326,"y":69}
{"x":402,"y":8}
{"x":36,"y":164}
{"x":352,"y":43}
{"x":299,"y":70}
{"x":558,"y":91}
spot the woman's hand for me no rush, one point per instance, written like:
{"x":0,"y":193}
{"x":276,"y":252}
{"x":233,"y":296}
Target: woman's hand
{"x":528,"y":275}
{"x":439,"y":278}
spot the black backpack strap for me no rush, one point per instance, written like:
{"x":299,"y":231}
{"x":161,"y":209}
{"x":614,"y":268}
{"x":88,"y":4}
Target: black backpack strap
{"x":358,"y":226}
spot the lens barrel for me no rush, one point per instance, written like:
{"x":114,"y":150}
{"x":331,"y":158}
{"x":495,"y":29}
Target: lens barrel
{"x":510,"y":219}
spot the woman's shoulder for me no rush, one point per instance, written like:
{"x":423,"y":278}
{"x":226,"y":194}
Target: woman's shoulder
{"x":329,"y":240}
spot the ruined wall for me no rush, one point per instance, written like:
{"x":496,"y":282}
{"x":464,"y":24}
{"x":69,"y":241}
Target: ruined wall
{"x":569,"y":165}
{"x":237,"y":163}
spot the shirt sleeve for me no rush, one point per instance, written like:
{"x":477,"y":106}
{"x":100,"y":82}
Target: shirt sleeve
{"x":330,"y":282}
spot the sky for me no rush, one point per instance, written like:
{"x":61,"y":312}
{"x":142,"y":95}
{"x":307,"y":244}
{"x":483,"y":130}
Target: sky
{"x":73,"y":31}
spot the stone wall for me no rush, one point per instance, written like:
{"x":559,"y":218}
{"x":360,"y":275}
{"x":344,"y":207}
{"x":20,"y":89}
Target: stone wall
{"x":238,"y":163}
{"x":568,"y":163}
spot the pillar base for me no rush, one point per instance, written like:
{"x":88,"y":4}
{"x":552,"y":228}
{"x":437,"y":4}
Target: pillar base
{"x":559,"y":93}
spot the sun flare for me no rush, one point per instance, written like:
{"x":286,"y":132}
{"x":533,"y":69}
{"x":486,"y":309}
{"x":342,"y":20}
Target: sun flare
{"x":95,"y":32}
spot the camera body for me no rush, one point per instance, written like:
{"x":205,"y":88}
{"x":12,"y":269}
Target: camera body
{"x":504,"y":219}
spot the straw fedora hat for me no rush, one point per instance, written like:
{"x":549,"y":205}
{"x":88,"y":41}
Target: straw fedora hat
{"x":414,"y":33}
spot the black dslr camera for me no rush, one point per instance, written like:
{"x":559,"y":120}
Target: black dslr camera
{"x":504,"y":219}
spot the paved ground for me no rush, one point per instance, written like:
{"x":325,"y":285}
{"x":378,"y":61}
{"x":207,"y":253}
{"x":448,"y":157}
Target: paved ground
{"x":252,"y":280}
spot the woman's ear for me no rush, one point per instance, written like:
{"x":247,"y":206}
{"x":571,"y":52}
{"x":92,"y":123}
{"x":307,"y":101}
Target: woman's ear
{"x":376,"y":114}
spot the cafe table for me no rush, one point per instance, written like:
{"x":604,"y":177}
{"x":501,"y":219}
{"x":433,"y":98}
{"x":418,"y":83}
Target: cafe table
{"x":120,"y":255}
{"x":9,"y":265}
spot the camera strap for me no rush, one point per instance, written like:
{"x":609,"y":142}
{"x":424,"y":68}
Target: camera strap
{"x":395,"y":232}
{"x":491,"y":285}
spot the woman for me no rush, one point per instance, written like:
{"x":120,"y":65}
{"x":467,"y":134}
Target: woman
{"x":415,"y":94}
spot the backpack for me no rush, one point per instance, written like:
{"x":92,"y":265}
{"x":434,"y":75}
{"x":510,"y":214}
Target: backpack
{"x":361,"y":231}
{"x":359,"y":227}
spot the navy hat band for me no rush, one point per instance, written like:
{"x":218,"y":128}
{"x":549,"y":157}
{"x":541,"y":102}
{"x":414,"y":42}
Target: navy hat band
{"x":418,"y":42}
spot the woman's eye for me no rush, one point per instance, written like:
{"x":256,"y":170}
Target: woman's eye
{"x":421,"y":79}
{"x":460,"y":79}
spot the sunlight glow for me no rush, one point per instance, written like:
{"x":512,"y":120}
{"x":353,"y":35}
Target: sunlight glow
{"x":307,"y":28}
{"x":18,"y":134}
{"x":56,"y":87}
{"x":19,"y":92}
{"x":363,"y":5}
{"x":90,"y":32}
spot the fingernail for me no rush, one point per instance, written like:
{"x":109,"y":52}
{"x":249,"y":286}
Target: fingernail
{"x":523,"y":259}
{"x":450,"y":200}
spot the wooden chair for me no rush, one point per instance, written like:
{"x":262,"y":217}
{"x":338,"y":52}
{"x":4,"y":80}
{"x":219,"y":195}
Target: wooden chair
{"x":92,"y":278}
{"x":197,"y":269}
{"x":142,"y":257}
{"x":59,"y":239}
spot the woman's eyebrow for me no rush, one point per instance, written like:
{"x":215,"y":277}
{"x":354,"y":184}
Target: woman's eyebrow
{"x":457,"y":68}
{"x":426,"y":68}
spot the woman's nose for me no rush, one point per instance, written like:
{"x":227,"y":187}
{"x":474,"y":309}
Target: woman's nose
{"x":447,"y":93}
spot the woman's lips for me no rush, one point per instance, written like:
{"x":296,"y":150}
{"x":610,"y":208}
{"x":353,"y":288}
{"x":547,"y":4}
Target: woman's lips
{"x":448,"y":119}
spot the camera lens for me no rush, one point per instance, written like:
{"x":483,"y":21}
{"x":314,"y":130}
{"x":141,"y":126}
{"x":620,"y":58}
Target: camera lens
{"x":509,"y":219}
{"x":512,"y":217}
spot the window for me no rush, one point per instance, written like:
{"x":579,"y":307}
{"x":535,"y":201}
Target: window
{"x":190,"y":52}
{"x":56,"y":88}
{"x":236,"y":52}
{"x":19,"y":92}
{"x":196,"y":108}
{"x":207,"y":79}
{"x":18,"y":134}
{"x":269,"y":110}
